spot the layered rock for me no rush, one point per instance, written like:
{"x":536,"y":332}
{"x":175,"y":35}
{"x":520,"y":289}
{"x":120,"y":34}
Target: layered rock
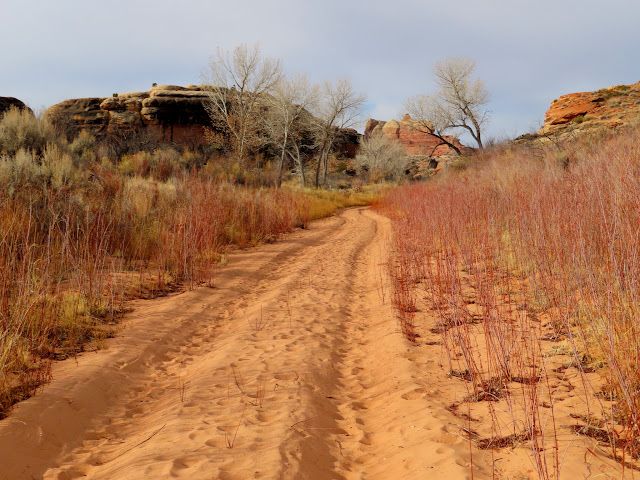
{"x":414,"y":139}
{"x":7,"y":102}
{"x":171,"y":113}
{"x":609,"y":107}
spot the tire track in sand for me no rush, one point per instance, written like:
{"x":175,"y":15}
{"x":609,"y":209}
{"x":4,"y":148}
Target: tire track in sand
{"x":291,"y":368}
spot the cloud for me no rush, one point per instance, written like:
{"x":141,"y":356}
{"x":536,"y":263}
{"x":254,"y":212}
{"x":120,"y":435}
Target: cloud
{"x":527,"y":53}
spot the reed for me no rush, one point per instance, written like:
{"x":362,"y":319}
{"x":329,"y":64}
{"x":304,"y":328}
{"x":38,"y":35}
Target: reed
{"x":517,"y":253}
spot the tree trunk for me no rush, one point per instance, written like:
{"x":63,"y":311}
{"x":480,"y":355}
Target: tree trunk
{"x":324,"y":172}
{"x":318,"y":166}
{"x":281,"y":167}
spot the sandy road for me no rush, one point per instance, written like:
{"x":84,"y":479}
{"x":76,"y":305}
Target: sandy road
{"x":291,"y":368}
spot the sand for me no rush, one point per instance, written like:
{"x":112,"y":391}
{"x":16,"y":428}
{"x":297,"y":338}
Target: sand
{"x":292,"y":367}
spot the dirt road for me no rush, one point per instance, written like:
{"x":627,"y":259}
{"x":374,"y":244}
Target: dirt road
{"x":291,"y":368}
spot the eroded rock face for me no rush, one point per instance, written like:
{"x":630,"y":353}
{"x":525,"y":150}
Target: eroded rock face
{"x":609,"y":107}
{"x":409,"y":134}
{"x":171,"y":113}
{"x":7,"y":102}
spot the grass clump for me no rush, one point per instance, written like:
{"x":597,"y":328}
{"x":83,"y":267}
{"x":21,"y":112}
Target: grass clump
{"x":323,"y":203}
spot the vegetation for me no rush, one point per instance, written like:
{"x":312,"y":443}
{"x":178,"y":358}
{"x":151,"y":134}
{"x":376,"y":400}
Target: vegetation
{"x":80,"y":234}
{"x":238,"y":82}
{"x":261,"y":107}
{"x":458,"y":104}
{"x":338,"y":108}
{"x":288,"y":119}
{"x":522,"y":254}
{"x":382,"y":158}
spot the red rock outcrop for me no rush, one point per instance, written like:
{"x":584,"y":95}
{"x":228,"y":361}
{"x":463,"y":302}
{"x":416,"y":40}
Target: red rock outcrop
{"x":609,"y":107}
{"x":409,"y":134}
{"x":170,"y":113}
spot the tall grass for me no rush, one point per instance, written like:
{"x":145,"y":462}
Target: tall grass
{"x":522,"y":250}
{"x":78,"y":234}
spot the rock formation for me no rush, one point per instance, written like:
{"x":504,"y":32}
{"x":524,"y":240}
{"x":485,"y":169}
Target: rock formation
{"x":609,"y":107}
{"x":7,"y":102}
{"x":409,"y":134}
{"x":171,"y":113}
{"x":168,"y":113}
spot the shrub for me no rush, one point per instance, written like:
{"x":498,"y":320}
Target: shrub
{"x":136,"y":164}
{"x":164,"y":163}
{"x":84,"y":148}
{"x":20,"y":129}
{"x":382,"y":157}
{"x":557,"y":240}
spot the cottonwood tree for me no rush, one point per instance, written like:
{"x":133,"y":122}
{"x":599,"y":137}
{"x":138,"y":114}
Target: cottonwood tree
{"x":339,"y":107}
{"x":288,"y":119}
{"x":459,"y":103}
{"x":382,"y":156}
{"x":238,"y":82}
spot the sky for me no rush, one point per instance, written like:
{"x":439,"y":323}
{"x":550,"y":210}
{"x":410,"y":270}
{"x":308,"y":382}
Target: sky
{"x":527,"y":53}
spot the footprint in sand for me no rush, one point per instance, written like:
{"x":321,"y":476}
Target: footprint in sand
{"x":366,"y":440}
{"x":286,"y":376}
{"x":294,"y":347}
{"x":225,"y":402}
{"x":267,"y":417}
{"x":187,"y":462}
{"x":414,"y":394}
{"x":359,"y":406}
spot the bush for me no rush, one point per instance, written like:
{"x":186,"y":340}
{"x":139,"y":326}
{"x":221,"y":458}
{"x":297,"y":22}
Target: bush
{"x":136,"y":164}
{"x":164,"y":163}
{"x":20,"y":129}
{"x":84,"y":148}
{"x":382,"y":157}
{"x":560,"y":236}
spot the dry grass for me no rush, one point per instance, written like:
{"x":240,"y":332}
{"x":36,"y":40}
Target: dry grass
{"x":323,"y":203}
{"x":80,"y":235}
{"x":520,"y":251}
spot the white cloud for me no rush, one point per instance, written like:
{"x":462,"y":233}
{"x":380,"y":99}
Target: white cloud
{"x":527,"y":53}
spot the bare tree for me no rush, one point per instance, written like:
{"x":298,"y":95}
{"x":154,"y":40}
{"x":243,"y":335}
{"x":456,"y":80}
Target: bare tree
{"x":426,"y":113}
{"x":459,"y":103}
{"x":239,"y":80}
{"x":288,"y":119}
{"x":339,"y":107}
{"x":382,"y":156}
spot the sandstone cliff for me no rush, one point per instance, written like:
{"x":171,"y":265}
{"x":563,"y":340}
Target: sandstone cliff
{"x":609,"y":107}
{"x":171,"y":113}
{"x":407,"y":132}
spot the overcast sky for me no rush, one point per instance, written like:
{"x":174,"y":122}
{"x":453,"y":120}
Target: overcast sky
{"x":527,"y":52}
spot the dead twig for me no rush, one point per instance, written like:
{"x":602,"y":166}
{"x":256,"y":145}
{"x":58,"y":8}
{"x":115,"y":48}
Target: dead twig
{"x":227,"y":438}
{"x":137,"y":445}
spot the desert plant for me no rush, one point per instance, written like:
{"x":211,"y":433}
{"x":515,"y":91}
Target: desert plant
{"x":495,"y":245}
{"x":382,"y":157}
{"x":20,"y":129}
